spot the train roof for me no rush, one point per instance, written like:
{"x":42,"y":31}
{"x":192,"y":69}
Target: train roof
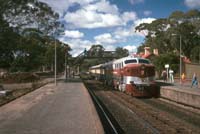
{"x":96,"y":66}
{"x":121,"y":60}
{"x":128,"y":58}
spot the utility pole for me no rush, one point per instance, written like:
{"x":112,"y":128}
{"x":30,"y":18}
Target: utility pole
{"x":180,"y":59}
{"x":55,"y":71}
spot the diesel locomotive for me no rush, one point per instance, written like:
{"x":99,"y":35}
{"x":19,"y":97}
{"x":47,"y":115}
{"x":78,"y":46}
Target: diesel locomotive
{"x":132,"y":75}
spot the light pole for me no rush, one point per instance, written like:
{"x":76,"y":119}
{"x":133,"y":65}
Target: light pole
{"x":65,"y":66}
{"x":66,"y":60}
{"x":180,"y":59}
{"x":55,"y":71}
{"x":180,"y":48}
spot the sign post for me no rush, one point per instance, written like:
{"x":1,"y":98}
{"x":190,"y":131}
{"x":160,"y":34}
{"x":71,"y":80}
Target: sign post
{"x":167,"y":67}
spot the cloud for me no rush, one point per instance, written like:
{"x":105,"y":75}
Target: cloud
{"x":147,"y":13}
{"x":143,"y":20}
{"x":140,"y":21}
{"x":73,"y":34}
{"x":131,"y":48}
{"x":91,"y":19}
{"x":105,"y":38}
{"x":60,"y":6}
{"x":133,"y":2}
{"x":98,"y":15}
{"x":104,"y":7}
{"x":122,"y":33}
{"x":91,"y":13}
{"x":129,"y":16}
{"x":77,"y":45}
{"x":192,"y":3}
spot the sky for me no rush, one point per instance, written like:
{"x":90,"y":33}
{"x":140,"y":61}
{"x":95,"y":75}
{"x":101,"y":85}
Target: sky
{"x":111,"y":23}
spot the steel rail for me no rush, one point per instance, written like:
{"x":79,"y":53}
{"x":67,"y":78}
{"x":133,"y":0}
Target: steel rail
{"x":103,"y":111}
{"x":139,"y":119}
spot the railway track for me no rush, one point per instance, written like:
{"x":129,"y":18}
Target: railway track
{"x":138,"y":115}
{"x":109,"y":123}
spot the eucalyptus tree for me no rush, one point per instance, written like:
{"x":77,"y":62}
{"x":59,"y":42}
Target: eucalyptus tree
{"x":121,"y":52}
{"x":167,"y":34}
{"x":27,"y":27}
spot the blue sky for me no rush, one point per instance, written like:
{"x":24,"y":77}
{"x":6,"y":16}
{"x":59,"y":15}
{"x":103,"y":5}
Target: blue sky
{"x":111,"y":23}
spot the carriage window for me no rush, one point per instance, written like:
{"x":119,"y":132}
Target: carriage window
{"x":144,"y":61}
{"x":131,"y":61}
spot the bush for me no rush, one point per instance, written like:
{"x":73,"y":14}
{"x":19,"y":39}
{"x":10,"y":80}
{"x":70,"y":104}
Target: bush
{"x":20,"y":78}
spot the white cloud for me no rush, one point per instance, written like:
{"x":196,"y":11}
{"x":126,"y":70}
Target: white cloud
{"x":73,"y":34}
{"x":122,"y":33}
{"x":147,"y":13}
{"x":143,"y":20}
{"x":129,"y":16}
{"x":105,"y":38}
{"x":135,"y":1}
{"x":91,"y":19}
{"x":77,"y":45}
{"x":103,"y":6}
{"x":109,"y":47}
{"x":140,"y":21}
{"x":97,"y":15}
{"x":131,"y":48}
{"x":91,"y":13}
{"x":192,"y":3}
{"x":60,"y":6}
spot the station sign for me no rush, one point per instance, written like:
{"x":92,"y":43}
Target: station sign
{"x":166,"y":65}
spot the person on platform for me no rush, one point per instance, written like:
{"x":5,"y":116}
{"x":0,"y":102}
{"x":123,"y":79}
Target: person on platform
{"x":164,"y":75}
{"x":194,"y":80}
{"x":183,"y":78}
{"x":171,"y":76}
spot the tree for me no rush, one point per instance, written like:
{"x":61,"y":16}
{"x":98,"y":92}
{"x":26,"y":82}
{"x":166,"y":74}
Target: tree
{"x":161,"y":31}
{"x":8,"y":41}
{"x":96,"y":51}
{"x":121,"y":52}
{"x":62,"y":51}
{"x":168,"y":58}
{"x":25,"y":26}
{"x":22,"y":14}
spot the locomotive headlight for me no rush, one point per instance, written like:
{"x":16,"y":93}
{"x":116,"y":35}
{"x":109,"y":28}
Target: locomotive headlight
{"x":142,"y":72}
{"x":143,"y":67}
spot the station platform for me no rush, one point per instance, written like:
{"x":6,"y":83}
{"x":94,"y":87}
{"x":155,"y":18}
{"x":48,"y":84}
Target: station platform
{"x":63,"y":109}
{"x":180,"y":93}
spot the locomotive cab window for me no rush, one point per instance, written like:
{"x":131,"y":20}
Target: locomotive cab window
{"x":130,"y":61}
{"x":144,"y":61}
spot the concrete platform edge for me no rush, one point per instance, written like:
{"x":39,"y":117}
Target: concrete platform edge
{"x":188,"y":98}
{"x":98,"y":124}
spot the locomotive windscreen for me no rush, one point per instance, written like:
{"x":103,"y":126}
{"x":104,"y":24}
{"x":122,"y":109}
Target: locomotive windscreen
{"x":130,"y":61}
{"x":144,"y":61}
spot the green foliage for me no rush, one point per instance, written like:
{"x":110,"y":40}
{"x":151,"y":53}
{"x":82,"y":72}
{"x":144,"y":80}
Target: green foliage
{"x":24,"y":44}
{"x":168,"y":33}
{"x":8,"y":40}
{"x":96,"y":51}
{"x":121,"y":52}
{"x":168,"y":58}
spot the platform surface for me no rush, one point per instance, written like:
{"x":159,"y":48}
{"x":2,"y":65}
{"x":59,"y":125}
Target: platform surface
{"x":181,"y":93}
{"x":64,"y":109}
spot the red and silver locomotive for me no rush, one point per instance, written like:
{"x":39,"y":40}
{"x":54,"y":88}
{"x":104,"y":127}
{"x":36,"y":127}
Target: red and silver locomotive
{"x":132,"y":75}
